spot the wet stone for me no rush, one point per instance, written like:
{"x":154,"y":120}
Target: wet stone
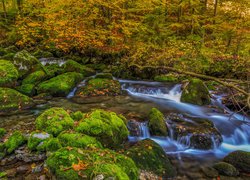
{"x":210,"y":172}
{"x":27,"y":156}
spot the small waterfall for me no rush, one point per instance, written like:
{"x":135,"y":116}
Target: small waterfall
{"x":138,"y":131}
{"x":46,"y":61}
{"x":144,"y":130}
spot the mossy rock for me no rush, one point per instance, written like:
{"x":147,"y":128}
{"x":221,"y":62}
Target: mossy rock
{"x":8,"y":74}
{"x":15,"y":140}
{"x":35,"y":77}
{"x":104,"y":76}
{"x":107,"y":127}
{"x":53,"y":144}
{"x":226,"y":169}
{"x":76,"y":163}
{"x":54,"y":121}
{"x":79,"y":140}
{"x":60,"y":85}
{"x":12,"y":100}
{"x":240,"y":160}
{"x":149,"y":156}
{"x":72,"y":66}
{"x":26,"y":63}
{"x":27,"y":89}
{"x":157,"y":125}
{"x":77,"y":116}
{"x":167,"y":78}
{"x":196,"y":92}
{"x":100,"y":87}
{"x":36,"y":139}
{"x":3,"y":51}
{"x":2,"y":132}
{"x":54,"y":70}
{"x":9,"y":56}
{"x":42,"y":54}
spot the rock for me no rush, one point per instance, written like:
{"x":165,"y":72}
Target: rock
{"x":42,"y":54}
{"x":193,"y":132}
{"x":26,"y":63}
{"x":28,"y":156}
{"x":81,"y":163}
{"x":196,"y":92}
{"x":240,"y":160}
{"x":157,"y":125}
{"x":12,"y":100}
{"x":210,"y":172}
{"x":107,"y":127}
{"x":35,"y":78}
{"x":149,"y":156}
{"x":104,"y":76}
{"x":226,"y":169}
{"x":54,"y":121}
{"x":8,"y":74}
{"x":134,"y":128}
{"x":14,"y":141}
{"x":2,"y":133}
{"x":23,"y":169}
{"x":36,"y":138}
{"x":11,"y":173}
{"x":167,"y":77}
{"x":73,"y":139}
{"x":60,"y":85}
{"x":27,"y":89}
{"x":99,"y":87}
{"x":72,"y":66}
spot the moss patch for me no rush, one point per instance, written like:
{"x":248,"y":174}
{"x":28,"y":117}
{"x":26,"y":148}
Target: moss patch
{"x":27,"y":89}
{"x":77,"y":116}
{"x":8,"y":74}
{"x":107,"y":127}
{"x":54,"y":121}
{"x":15,"y":140}
{"x":36,"y":138}
{"x":35,"y":77}
{"x":167,"y":78}
{"x":157,"y":125}
{"x":226,"y":169}
{"x":2,"y":132}
{"x":72,"y":66}
{"x":104,"y":76}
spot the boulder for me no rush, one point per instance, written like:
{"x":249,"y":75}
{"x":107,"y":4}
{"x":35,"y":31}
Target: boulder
{"x":72,"y":66}
{"x":14,"y":141}
{"x":35,"y":77}
{"x":75,"y":163}
{"x":60,"y":85}
{"x":196,"y":92}
{"x":27,"y":89}
{"x":157,"y":125}
{"x":226,"y":169}
{"x":8,"y":74}
{"x":149,"y":156}
{"x":37,"y":139}
{"x":107,"y":127}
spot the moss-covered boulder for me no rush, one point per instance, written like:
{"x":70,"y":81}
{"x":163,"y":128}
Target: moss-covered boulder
{"x":15,"y":140}
{"x":226,"y":169}
{"x":60,"y":85}
{"x":79,"y":140}
{"x":37,"y":139}
{"x":54,"y":121}
{"x":35,"y":77}
{"x":107,"y":127}
{"x":12,"y":100}
{"x":2,"y":132}
{"x":54,"y":70}
{"x":167,"y":78}
{"x":26,"y":63}
{"x":8,"y":74}
{"x":240,"y":160}
{"x":53,"y":144}
{"x":104,"y":76}
{"x":42,"y":54}
{"x":196,"y":92}
{"x":156,"y":123}
{"x":27,"y":89}
{"x":75,"y":163}
{"x":73,"y":66}
{"x":149,"y":156}
{"x":99,"y":87}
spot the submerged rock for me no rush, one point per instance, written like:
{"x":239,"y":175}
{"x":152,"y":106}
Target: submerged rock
{"x":196,"y":92}
{"x":54,"y":121}
{"x":60,"y":85}
{"x":12,"y":100}
{"x":149,"y":156}
{"x":240,"y":160}
{"x":75,"y":163}
{"x":157,"y":125}
{"x":195,"y":133}
{"x":8,"y":74}
{"x":226,"y":169}
{"x":107,"y":127}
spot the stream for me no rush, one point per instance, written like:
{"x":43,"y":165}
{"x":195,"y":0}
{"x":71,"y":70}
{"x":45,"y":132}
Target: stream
{"x":140,"y":97}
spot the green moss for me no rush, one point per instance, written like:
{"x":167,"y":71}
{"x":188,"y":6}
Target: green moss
{"x":149,"y":156}
{"x":2,"y":132}
{"x":226,"y":169}
{"x":94,"y":161}
{"x":77,"y":116}
{"x":60,"y":85}
{"x":211,"y":85}
{"x":107,"y":127}
{"x":15,"y":140}
{"x":36,"y":138}
{"x":78,"y":140}
{"x":8,"y":73}
{"x":13,"y":100}
{"x":167,"y":78}
{"x":196,"y":92}
{"x":100,"y":87}
{"x":53,"y":144}
{"x":35,"y":77}
{"x":3,"y":174}
{"x":72,"y":66}
{"x":54,"y":121}
{"x":27,"y":89}
{"x":157,"y":125}
{"x":54,"y":70}
{"x":240,"y":160}
{"x":104,"y":76}
{"x":9,"y":56}
{"x":42,"y":54}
